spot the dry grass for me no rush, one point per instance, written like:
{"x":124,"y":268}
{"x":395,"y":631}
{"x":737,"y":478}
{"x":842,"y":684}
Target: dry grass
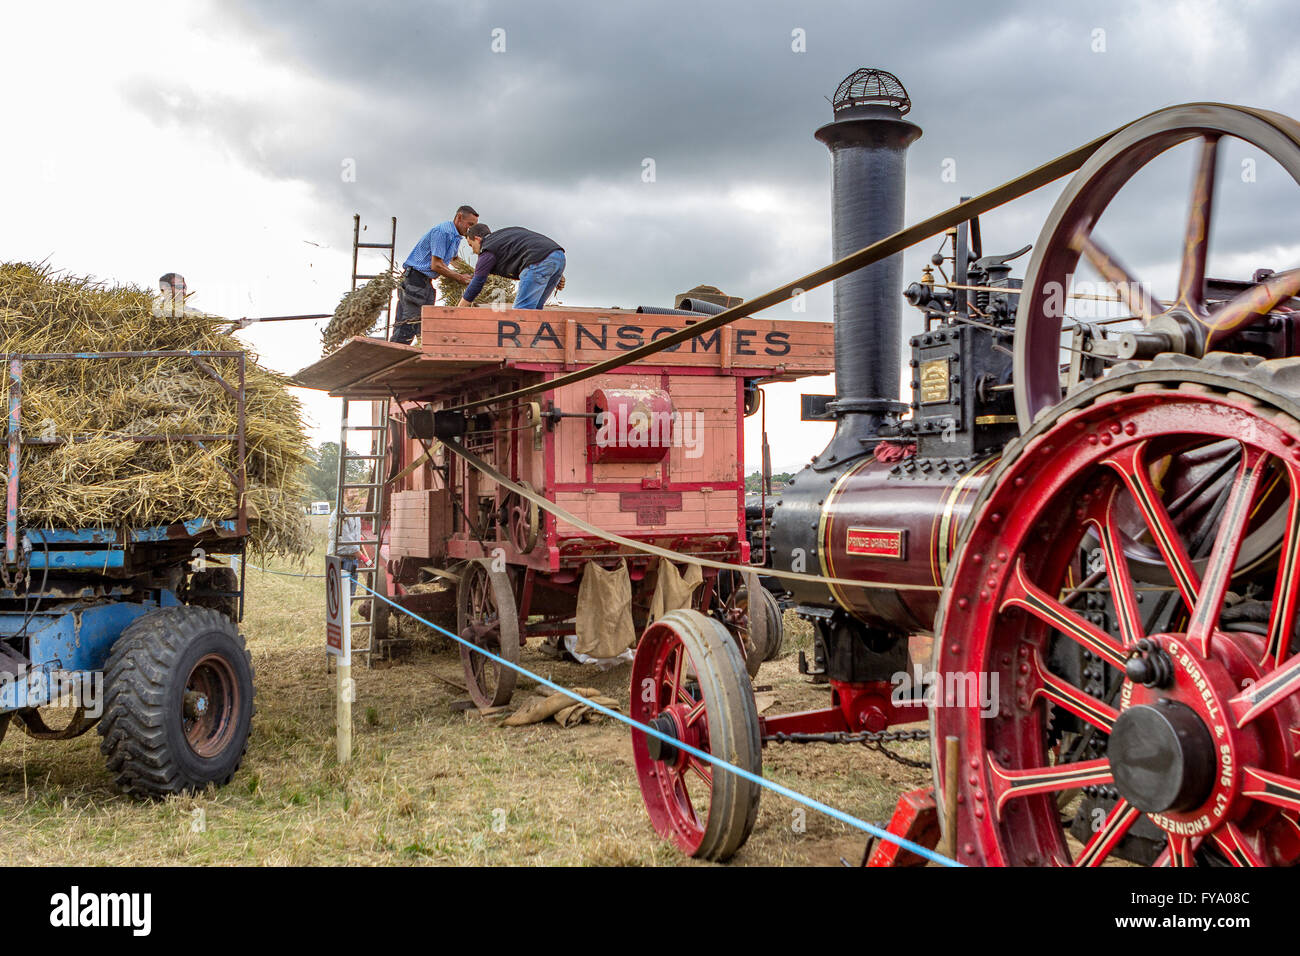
{"x":94,"y":477}
{"x":495,"y":288}
{"x":427,"y":784}
{"x":358,"y":310}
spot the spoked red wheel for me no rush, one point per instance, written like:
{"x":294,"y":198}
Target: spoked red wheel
{"x":486,"y":615}
{"x":1189,"y":716}
{"x":1200,"y":314}
{"x":689,"y":682}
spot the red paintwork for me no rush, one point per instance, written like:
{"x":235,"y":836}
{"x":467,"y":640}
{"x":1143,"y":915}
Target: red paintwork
{"x":995,"y":621}
{"x":916,"y":818}
{"x":854,"y":707}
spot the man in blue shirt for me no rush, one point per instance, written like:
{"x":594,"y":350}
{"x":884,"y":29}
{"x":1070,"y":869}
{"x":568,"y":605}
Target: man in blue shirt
{"x":431,"y":256}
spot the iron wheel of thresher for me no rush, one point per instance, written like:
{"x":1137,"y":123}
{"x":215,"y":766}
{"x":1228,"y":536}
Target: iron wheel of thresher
{"x":1195,"y":323}
{"x":759,"y":635}
{"x":524,"y":520}
{"x":1200,"y":736}
{"x":486,"y":615}
{"x":689,"y":681}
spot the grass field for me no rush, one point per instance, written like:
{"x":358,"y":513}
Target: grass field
{"x":428,"y":784}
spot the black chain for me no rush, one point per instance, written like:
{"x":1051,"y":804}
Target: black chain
{"x":872,"y":741}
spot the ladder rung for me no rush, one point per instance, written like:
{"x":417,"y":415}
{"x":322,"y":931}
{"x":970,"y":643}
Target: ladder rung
{"x":363,"y":428}
{"x":362,"y":457}
{"x":374,"y":245}
{"x":374,"y":275}
{"x":365,"y":484}
{"x":362,"y":542}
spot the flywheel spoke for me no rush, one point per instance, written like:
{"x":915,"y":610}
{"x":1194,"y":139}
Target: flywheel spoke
{"x":1112,"y":831}
{"x":1255,"y":302}
{"x":1131,"y":464}
{"x":1022,"y":593}
{"x":1008,"y":784}
{"x":1133,"y":293}
{"x":1227,"y":545}
{"x":1196,"y":237}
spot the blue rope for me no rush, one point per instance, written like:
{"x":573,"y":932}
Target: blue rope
{"x":797,"y":797}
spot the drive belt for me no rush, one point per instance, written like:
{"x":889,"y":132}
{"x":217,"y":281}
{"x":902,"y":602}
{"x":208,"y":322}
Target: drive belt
{"x":565,"y":515}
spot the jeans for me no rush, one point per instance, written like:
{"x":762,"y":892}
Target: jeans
{"x":538,"y":281}
{"x":349,"y":565}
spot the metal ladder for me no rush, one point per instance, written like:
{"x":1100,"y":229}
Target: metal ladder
{"x":390,"y":247}
{"x":374,"y":623}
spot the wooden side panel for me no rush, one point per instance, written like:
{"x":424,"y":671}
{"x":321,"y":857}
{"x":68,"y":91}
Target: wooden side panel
{"x":421,"y":521}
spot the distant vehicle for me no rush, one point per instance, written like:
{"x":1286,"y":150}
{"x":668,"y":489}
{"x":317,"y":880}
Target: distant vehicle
{"x":320,"y":507}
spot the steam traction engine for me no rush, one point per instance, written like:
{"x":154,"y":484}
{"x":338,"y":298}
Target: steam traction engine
{"x":652,"y":452}
{"x":1097,"y":519}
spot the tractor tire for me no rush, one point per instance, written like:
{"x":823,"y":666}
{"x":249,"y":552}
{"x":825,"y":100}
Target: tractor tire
{"x":203,"y":584}
{"x":178,"y":702}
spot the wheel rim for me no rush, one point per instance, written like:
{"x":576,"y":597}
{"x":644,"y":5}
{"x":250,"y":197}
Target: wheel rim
{"x":1226,"y":783}
{"x":1067,"y":237}
{"x":486,"y":617}
{"x":677,"y":786}
{"x":210,"y":705}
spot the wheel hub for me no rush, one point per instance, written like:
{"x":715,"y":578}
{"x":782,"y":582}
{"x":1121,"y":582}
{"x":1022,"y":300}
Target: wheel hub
{"x":662,"y":750}
{"x":1162,"y":757}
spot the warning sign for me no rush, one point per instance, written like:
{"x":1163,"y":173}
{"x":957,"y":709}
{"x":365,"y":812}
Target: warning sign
{"x":338,"y":612}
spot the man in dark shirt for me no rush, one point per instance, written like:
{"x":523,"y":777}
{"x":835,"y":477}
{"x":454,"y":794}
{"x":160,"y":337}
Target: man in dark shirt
{"x":431,"y":256}
{"x":516,"y":253}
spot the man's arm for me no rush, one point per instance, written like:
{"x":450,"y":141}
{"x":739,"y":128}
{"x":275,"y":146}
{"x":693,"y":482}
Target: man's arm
{"x":482,"y":270}
{"x":446,"y":271}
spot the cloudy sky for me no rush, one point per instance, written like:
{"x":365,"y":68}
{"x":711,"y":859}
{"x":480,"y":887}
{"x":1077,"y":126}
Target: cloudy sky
{"x":233,"y":142}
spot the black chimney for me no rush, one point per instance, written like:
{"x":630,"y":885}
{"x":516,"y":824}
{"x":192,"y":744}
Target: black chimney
{"x":868,"y":140}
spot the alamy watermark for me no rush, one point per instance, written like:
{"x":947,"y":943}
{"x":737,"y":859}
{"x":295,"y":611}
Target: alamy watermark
{"x":639,"y":428}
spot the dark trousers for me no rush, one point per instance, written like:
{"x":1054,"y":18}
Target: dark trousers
{"x":417,"y":292}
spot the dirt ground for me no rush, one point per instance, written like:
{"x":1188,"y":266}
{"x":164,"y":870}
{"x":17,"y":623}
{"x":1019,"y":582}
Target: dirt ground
{"x":429,"y":783}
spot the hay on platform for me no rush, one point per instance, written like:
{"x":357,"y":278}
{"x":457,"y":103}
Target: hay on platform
{"x":359,"y":310}
{"x":104,"y":480}
{"x":495,"y":289}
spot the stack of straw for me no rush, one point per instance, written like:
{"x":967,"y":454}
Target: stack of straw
{"x":495,"y":289}
{"x":358,"y":311}
{"x":104,"y":481}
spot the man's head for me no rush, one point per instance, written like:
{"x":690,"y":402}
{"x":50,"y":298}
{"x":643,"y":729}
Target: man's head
{"x":476,"y":234}
{"x":465,"y":217}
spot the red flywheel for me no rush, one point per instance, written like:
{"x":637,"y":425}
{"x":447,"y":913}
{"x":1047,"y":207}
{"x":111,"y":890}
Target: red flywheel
{"x":1129,"y":712}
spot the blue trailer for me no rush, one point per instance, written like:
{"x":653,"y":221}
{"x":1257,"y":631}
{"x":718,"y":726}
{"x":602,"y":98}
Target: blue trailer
{"x":135,"y":629}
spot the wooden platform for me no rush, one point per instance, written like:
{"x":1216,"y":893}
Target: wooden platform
{"x":457,"y":341}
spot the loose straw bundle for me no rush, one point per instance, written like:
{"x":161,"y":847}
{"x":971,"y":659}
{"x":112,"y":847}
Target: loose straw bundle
{"x":102,"y":479}
{"x":495,"y":289}
{"x":358,"y":311}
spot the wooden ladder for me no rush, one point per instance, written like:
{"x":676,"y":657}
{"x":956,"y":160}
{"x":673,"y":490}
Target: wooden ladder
{"x":374,"y":622}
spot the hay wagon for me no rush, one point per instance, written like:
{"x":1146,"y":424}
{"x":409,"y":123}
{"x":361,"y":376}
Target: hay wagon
{"x":653,"y":452}
{"x":130,"y":625}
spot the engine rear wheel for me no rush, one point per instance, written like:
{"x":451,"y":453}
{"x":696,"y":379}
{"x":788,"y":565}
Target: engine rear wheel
{"x":689,"y":681}
{"x":1197,"y":736}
